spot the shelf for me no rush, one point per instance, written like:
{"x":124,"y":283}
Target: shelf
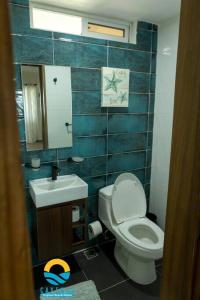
{"x":75,"y":244}
{"x":79,"y":224}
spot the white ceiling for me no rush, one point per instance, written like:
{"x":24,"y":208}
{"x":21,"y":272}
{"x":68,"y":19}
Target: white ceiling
{"x":155,"y":11}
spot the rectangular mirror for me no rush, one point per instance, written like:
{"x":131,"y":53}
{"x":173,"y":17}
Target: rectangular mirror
{"x":47,"y":106}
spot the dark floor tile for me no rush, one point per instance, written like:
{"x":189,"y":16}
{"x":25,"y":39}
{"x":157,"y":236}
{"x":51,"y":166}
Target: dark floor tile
{"x":129,"y":290}
{"x":101,"y":270}
{"x":159,"y":269}
{"x":108,"y":250}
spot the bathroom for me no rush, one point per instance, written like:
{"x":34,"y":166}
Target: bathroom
{"x":94,"y":89}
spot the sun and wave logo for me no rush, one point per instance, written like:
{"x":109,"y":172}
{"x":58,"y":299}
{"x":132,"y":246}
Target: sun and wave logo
{"x":56,"y":279}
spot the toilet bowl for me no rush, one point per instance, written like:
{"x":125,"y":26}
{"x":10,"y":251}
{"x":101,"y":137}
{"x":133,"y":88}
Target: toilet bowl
{"x":139,"y":242}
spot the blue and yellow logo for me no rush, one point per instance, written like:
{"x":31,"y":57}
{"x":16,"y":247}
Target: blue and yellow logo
{"x":53,"y":278}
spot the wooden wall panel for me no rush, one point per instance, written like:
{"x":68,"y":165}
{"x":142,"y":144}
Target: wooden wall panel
{"x":15,"y":260}
{"x":183,"y":211}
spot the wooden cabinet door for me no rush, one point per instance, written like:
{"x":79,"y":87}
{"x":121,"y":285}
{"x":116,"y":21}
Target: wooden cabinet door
{"x":54,"y":233}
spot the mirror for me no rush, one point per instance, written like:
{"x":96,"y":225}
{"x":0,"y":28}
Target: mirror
{"x":47,"y":106}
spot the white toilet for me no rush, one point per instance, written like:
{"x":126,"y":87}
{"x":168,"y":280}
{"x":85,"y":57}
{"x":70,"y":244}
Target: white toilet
{"x":139,"y":242}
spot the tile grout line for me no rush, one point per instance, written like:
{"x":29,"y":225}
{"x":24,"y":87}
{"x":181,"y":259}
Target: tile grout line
{"x":53,"y":46}
{"x":114,"y":285}
{"x":82,"y":43}
{"x":84,"y":274}
{"x":148,"y":115}
{"x":107,"y":127}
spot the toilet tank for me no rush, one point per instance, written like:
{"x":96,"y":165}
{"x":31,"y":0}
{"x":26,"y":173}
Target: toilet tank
{"x":105,"y":207}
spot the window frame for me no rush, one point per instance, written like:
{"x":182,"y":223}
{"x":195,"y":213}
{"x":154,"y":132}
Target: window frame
{"x":130,"y":28}
{"x":86,"y":32}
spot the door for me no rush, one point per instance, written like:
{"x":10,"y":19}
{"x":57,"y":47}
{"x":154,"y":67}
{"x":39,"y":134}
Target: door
{"x":181,"y":252}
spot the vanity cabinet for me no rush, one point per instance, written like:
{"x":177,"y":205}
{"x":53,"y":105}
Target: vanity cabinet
{"x":54,"y":232}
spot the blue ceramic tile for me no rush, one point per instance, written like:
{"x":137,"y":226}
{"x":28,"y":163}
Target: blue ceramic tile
{"x":30,"y":221}
{"x":119,"y":143}
{"x":138,"y":103}
{"x":30,"y":174}
{"x":95,"y":184}
{"x":151,"y":120}
{"x":90,"y":119}
{"x":148,"y":175}
{"x":93,"y":166}
{"x":139,"y":173}
{"x":90,"y":146}
{"x":21,"y":128}
{"x":93,"y":208}
{"x":138,"y":61}
{"x":22,"y":2}
{"x":29,"y":201}
{"x":126,"y":161}
{"x":86,"y":80}
{"x":122,"y":123}
{"x":153,"y":83}
{"x":20,"y":22}
{"x":144,"y":38}
{"x":87,"y":102}
{"x":44,"y":155}
{"x":78,"y":38}
{"x":17,"y":76}
{"x":155,"y":27}
{"x":149,"y":157}
{"x":84,"y":147}
{"x":122,"y":45}
{"x":79,"y":55}
{"x":143,"y":42}
{"x":32,"y":50}
{"x":150,"y":139}
{"x":147,"y":192}
{"x":139,"y":82}
{"x":65,"y":153}
{"x":152,"y":103}
{"x":89,"y":125}
{"x":144,"y":25}
{"x":153,"y":63}
{"x":154,"y":41}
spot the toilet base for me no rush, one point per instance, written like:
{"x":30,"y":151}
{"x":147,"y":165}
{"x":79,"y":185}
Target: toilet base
{"x":138,"y":269}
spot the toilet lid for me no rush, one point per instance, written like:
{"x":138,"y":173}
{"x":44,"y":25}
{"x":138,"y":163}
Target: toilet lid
{"x":128,"y":198}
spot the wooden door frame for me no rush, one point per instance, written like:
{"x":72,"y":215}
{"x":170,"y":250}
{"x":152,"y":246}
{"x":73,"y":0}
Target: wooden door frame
{"x":183,"y":208}
{"x":15,"y":260}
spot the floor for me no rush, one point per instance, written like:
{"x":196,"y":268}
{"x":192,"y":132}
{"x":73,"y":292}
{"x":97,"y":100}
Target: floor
{"x":110,"y":280}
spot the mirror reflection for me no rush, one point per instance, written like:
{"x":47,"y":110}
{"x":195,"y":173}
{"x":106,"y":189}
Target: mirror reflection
{"x":47,"y":106}
{"x":33,"y":108}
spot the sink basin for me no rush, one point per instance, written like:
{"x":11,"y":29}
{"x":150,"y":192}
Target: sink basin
{"x":45,"y":192}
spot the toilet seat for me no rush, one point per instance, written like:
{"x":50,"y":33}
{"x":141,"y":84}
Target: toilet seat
{"x":142,"y":233}
{"x":128,"y":198}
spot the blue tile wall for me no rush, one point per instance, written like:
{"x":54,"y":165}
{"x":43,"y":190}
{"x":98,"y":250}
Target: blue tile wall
{"x":112,"y":140}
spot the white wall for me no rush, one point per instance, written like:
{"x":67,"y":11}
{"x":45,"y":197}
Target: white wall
{"x":163,"y":119}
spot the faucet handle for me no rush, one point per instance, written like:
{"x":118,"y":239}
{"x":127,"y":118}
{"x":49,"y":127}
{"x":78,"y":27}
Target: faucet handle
{"x":56,"y":168}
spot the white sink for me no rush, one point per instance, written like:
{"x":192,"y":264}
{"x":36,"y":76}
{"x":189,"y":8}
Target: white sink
{"x":45,"y":192}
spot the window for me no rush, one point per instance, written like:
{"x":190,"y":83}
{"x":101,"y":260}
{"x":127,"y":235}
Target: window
{"x":108,"y":30}
{"x":60,"y":20}
{"x":56,"y":21}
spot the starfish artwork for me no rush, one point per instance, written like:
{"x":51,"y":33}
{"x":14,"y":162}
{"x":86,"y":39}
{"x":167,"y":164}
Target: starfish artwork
{"x":112,"y":83}
{"x":123,"y":97}
{"x":115,"y":87}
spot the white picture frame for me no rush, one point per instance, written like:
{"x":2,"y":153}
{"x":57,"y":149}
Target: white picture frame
{"x":115,"y":87}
